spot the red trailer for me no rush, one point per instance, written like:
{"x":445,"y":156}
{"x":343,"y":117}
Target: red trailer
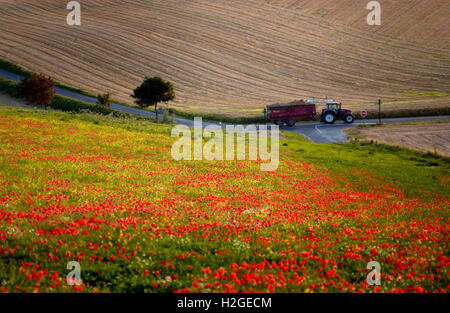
{"x":290,"y":113}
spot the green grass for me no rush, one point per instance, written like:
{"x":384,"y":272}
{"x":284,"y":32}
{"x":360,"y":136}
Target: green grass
{"x":410,"y":169}
{"x":125,"y":122}
{"x":219,"y":118}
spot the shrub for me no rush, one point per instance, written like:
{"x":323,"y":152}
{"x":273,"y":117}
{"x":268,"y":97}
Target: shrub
{"x":104,"y":100}
{"x":71,"y":105}
{"x":9,"y":87}
{"x":38,"y":89}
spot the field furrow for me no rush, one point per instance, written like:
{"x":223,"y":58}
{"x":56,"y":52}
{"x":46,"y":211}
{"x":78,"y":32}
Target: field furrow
{"x":232,"y":57}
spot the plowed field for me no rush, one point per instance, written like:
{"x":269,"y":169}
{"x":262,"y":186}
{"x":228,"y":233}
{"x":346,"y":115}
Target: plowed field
{"x":234,"y":57}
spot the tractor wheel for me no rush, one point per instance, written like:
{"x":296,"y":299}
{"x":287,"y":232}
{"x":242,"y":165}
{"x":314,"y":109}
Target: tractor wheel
{"x":291,"y":123}
{"x":329,"y":118}
{"x":279,"y":123}
{"x":349,"y":119}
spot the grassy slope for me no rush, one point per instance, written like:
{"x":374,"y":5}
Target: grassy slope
{"x":413,"y":170}
{"x":226,"y":57}
{"x":188,"y":225}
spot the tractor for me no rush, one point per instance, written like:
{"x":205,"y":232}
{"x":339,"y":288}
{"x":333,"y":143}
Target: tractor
{"x":334,"y":112}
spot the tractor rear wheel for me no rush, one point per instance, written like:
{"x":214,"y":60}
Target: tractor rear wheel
{"x":329,"y":118}
{"x":279,"y":123}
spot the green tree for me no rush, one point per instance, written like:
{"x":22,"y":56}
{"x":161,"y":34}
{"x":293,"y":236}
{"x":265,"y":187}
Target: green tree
{"x":152,"y":91}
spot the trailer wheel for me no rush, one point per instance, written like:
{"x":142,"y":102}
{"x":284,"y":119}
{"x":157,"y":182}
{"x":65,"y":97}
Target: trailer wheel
{"x":349,"y":119}
{"x":291,"y":123}
{"x":329,"y":118}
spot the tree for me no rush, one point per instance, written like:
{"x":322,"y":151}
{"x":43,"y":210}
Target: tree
{"x":104,"y":100}
{"x":38,"y":89}
{"x":152,"y":91}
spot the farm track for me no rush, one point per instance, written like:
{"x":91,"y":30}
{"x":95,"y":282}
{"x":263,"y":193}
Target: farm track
{"x":226,"y":57}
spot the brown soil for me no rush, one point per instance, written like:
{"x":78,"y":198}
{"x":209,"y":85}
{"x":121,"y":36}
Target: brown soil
{"x":428,"y":137}
{"x":232,"y":57}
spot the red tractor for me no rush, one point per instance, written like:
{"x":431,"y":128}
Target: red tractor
{"x":290,"y":113}
{"x":334,"y":112}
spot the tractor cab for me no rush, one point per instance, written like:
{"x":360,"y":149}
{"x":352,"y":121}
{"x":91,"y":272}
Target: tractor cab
{"x":336,"y":107}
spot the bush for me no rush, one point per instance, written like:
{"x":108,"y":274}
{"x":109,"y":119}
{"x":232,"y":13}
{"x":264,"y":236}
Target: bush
{"x":38,"y":89}
{"x":71,"y":105}
{"x":104,"y":100}
{"x":9,"y":87}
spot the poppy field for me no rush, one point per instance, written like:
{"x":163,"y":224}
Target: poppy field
{"x":105,"y":192}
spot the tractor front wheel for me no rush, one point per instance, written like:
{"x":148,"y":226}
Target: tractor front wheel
{"x":349,"y":119}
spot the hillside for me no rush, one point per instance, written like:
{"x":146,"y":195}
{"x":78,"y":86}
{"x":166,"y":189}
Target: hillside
{"x":233,"y":57}
{"x":110,"y":197}
{"x":417,"y":21}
